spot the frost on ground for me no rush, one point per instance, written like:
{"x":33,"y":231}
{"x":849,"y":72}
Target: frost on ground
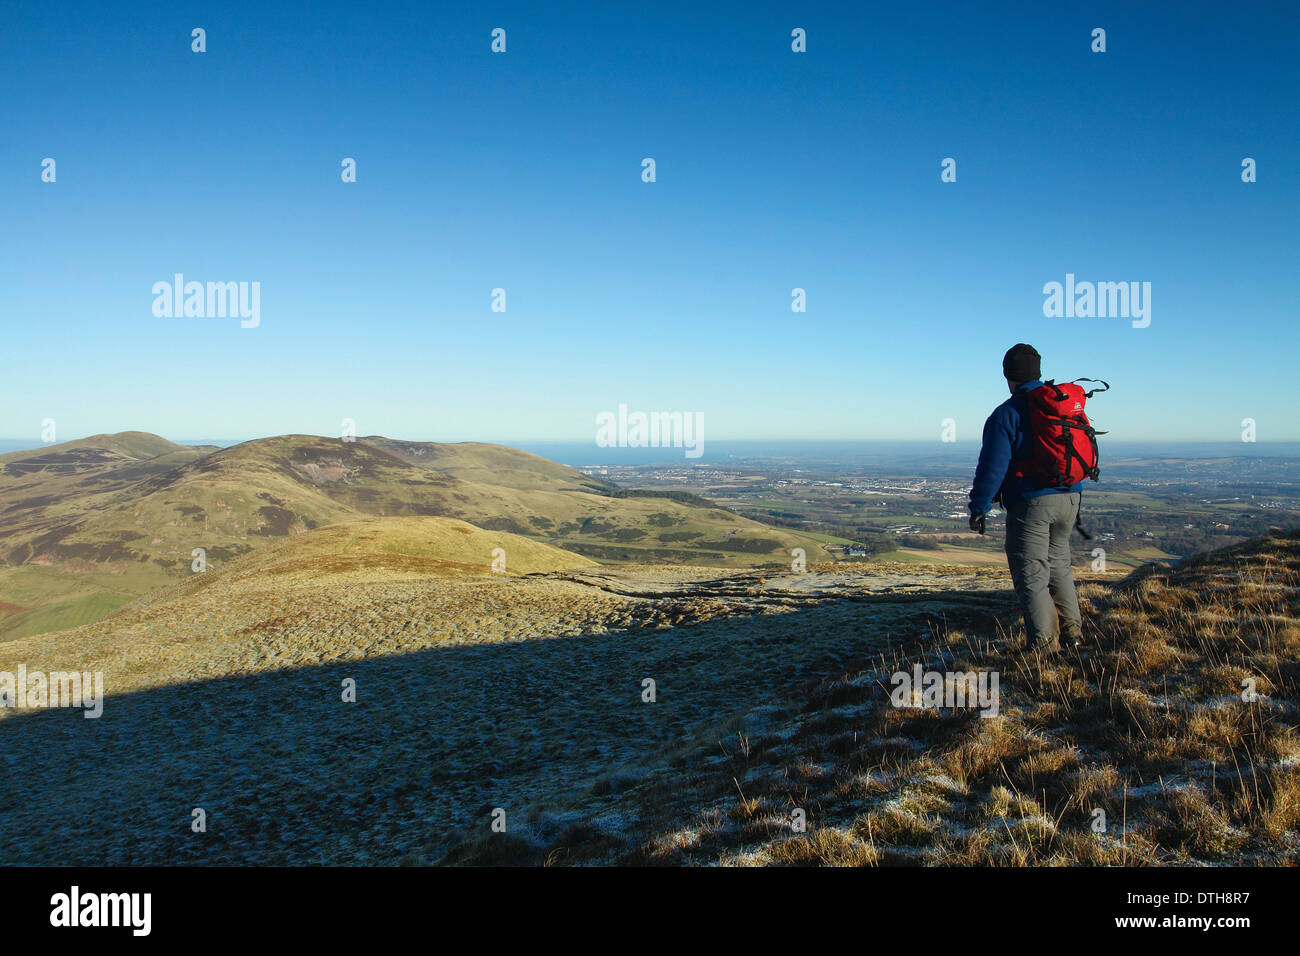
{"x":471,"y":695}
{"x":1169,"y":737}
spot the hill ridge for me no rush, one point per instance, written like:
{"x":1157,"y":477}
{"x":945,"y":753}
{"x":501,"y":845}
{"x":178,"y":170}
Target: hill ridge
{"x":85,"y":529}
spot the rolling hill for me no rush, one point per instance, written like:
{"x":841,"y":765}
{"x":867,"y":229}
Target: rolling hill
{"x":88,"y":526}
{"x":51,"y":575}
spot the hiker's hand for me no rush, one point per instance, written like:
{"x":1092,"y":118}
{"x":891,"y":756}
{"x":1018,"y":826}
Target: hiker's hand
{"x":977,"y":523}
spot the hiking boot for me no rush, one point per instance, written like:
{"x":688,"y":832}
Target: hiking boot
{"x":1071,"y":638}
{"x":1044,"y":648}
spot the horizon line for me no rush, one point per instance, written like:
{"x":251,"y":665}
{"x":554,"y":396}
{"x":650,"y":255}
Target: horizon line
{"x":34,"y":442}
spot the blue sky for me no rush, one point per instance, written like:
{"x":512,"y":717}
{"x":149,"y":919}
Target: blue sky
{"x":522,"y":171}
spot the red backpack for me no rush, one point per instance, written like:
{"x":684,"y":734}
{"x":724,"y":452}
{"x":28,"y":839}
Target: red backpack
{"x":1062,"y":445}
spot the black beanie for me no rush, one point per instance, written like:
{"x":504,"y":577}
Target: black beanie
{"x":1022,"y":363}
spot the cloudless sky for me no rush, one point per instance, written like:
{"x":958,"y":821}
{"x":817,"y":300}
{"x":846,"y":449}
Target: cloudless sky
{"x":522,"y":170}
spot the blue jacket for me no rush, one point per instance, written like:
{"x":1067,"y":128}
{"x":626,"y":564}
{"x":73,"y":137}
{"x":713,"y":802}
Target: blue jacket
{"x":1005,"y":436}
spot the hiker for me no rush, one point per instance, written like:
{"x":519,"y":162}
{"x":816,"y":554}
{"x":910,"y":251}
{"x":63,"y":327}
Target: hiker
{"x":1040,"y":515}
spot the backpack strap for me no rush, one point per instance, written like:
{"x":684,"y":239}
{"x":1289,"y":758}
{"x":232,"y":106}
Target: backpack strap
{"x":1095,"y":390}
{"x":1095,"y":471}
{"x":1078,"y":520}
{"x":1064,"y":474}
{"x":1051,"y":383}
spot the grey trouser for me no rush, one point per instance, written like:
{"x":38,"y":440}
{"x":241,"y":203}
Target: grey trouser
{"x":1038,"y":553}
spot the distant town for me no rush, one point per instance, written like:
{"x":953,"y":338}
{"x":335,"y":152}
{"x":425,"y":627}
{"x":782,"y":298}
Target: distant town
{"x":1142,"y":509}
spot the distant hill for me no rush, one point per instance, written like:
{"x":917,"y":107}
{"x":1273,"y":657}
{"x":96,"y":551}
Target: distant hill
{"x":491,"y":465}
{"x":57,"y":569}
{"x":103,"y":449}
{"x":87,"y":526}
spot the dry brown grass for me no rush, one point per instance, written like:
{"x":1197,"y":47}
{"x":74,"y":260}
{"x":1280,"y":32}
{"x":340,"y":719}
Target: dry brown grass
{"x":1136,"y":749}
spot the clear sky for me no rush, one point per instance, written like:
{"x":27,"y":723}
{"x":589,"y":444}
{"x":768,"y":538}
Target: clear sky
{"x":523,"y":171}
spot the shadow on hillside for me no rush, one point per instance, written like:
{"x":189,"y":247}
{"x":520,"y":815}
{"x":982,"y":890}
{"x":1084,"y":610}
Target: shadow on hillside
{"x":288,"y":773}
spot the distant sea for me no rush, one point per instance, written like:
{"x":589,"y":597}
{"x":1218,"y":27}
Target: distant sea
{"x":821,"y":453}
{"x":873,"y":453}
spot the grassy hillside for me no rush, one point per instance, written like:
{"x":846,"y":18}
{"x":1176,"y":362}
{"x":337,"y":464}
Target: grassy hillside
{"x":89,"y":525}
{"x":1136,"y":749}
{"x":473,"y":690}
{"x":57,"y":569}
{"x":401,"y":547}
{"x":524,"y":692}
{"x":123,"y":446}
{"x":558,"y":504}
{"x":491,"y":465}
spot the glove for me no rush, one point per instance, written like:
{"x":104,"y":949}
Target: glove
{"x":977,"y":523}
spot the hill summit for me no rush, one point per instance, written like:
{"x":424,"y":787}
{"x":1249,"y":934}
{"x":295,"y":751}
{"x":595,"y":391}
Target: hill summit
{"x":90,"y":525}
